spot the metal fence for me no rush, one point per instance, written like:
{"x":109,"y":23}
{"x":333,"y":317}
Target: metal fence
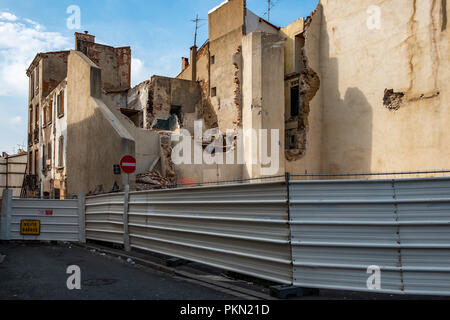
{"x":317,"y":234}
{"x":340,"y":228}
{"x":59,"y":220}
{"x":309,"y":233}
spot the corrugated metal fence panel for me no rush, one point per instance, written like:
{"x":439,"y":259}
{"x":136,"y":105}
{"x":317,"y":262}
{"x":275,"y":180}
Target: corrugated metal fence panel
{"x":242,"y":228}
{"x":424,"y":217}
{"x":104,"y":218}
{"x":340,"y":228}
{"x":62,"y":225}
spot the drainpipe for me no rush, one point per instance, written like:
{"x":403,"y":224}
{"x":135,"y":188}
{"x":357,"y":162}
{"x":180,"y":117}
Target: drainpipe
{"x":194,"y":63}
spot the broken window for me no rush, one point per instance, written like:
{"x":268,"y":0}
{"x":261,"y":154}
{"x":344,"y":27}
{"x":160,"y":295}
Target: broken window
{"x":214,"y":92}
{"x":213,"y":59}
{"x":57,"y":194}
{"x":295,"y":101}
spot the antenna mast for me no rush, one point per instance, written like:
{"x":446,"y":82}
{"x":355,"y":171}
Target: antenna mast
{"x":268,"y":12}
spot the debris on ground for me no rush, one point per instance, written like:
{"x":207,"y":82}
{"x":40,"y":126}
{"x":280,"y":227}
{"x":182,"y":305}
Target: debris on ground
{"x":2,"y":258}
{"x":152,"y":180}
{"x":130,"y":261}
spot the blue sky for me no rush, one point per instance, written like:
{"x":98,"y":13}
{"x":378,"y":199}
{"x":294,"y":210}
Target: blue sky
{"x":159,"y":32}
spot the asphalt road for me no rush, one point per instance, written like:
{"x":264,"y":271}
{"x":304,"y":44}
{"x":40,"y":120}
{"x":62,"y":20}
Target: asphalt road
{"x":38,"y":272}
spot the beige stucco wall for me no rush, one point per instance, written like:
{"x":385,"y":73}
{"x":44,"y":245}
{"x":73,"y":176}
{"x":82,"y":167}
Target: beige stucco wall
{"x":263,"y":98}
{"x":410,"y":54}
{"x":97,"y":140}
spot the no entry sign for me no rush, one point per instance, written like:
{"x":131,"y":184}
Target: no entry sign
{"x":128,"y":164}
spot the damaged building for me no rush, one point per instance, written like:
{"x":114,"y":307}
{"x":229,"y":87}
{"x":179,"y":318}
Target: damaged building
{"x":347,"y":97}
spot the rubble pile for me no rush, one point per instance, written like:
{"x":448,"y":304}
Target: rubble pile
{"x":152,"y":180}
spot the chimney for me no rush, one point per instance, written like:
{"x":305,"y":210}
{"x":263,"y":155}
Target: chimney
{"x":184,"y":63}
{"x":194,"y":63}
{"x":86,"y":37}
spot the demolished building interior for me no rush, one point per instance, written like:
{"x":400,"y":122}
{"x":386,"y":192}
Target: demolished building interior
{"x":345,"y":101}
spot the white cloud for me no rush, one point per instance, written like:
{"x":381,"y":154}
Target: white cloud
{"x":139,"y":72}
{"x":15,"y":121}
{"x":8,"y":16}
{"x":22,"y":39}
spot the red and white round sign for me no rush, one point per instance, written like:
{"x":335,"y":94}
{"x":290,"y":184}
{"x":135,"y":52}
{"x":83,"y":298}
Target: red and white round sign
{"x":128,"y":164}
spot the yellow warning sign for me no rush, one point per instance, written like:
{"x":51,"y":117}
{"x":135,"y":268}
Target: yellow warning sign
{"x":30,"y":227}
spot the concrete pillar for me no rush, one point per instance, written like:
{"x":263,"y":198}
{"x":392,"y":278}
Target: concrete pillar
{"x":262,"y":97}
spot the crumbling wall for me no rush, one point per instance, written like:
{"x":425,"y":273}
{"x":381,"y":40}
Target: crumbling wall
{"x":300,"y":45}
{"x":54,"y":67}
{"x":114,"y":62}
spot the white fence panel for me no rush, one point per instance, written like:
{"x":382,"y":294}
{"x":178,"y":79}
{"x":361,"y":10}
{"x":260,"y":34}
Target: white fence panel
{"x":59,"y":219}
{"x":104,"y":218}
{"x":340,"y":228}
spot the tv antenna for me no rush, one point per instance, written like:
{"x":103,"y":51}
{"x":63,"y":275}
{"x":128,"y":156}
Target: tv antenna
{"x":197,"y":20}
{"x":270,"y":5}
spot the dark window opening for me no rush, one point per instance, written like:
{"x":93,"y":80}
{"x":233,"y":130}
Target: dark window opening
{"x":214,"y":92}
{"x":57,"y":194}
{"x":213,"y":59}
{"x":295,"y":101}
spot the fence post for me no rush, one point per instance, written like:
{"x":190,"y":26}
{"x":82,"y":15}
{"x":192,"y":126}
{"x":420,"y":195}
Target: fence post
{"x":126,"y":234}
{"x":82,"y":217}
{"x":5,"y":231}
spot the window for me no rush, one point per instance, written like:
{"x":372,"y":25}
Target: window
{"x":36,"y":117}
{"x":37,"y":79}
{"x":31,"y":118}
{"x":36,"y":162}
{"x":43,"y":158}
{"x":214,"y":92}
{"x":295,"y":101}
{"x":50,"y":112}
{"x":49,"y":153}
{"x":61,"y":104}
{"x":213,"y":59}
{"x":45,"y":116}
{"x":61,"y":152}
{"x":32,"y":85}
